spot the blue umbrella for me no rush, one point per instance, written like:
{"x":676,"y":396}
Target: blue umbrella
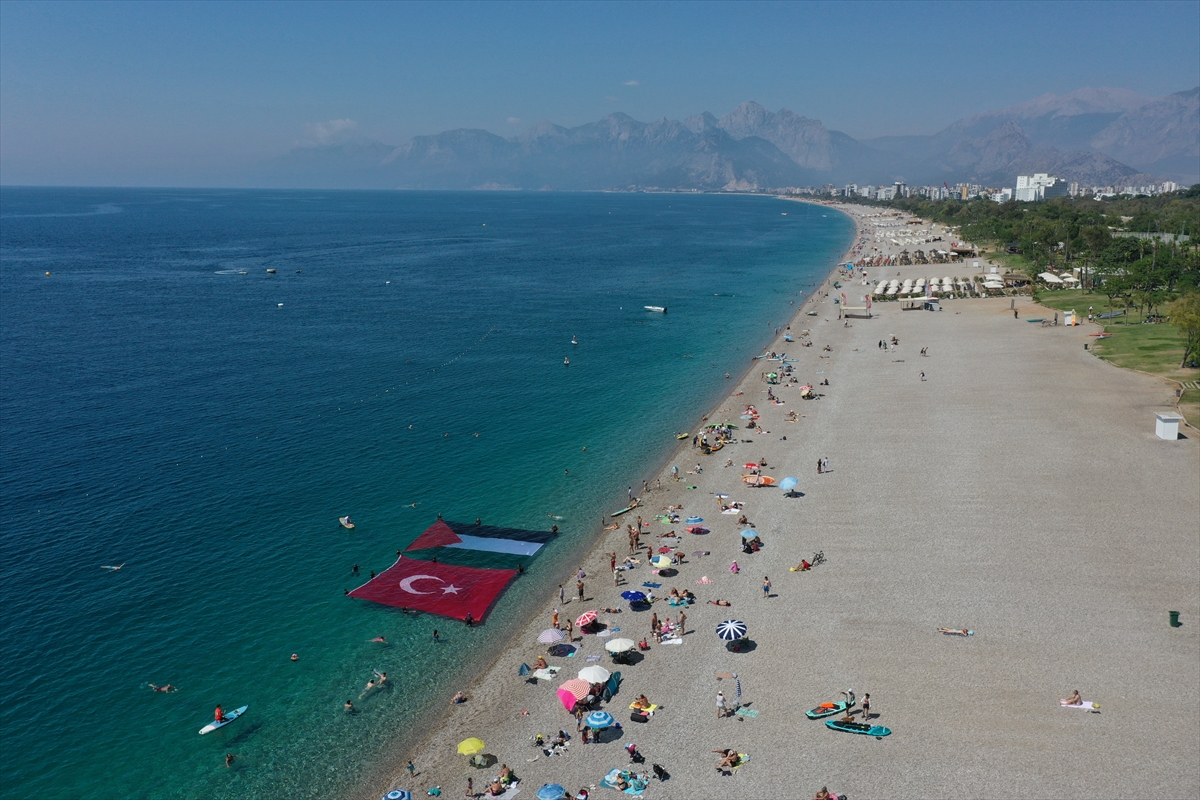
{"x":787,"y":484}
{"x":551,"y":791}
{"x":634,"y":597}
{"x":749,"y":533}
{"x":398,"y":794}
{"x":599,"y":719}
{"x":731,"y":630}
{"x":694,"y":520}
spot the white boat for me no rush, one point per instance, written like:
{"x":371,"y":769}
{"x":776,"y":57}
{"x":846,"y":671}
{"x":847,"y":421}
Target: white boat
{"x":659,"y":309}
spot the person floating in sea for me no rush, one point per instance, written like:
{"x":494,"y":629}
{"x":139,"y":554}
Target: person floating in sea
{"x":380,"y":639}
{"x":229,"y":757}
{"x":167,"y":688}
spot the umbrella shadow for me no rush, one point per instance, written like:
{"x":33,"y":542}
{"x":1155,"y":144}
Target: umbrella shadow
{"x":629,"y":658}
{"x":794,"y":494}
{"x":741,"y":646}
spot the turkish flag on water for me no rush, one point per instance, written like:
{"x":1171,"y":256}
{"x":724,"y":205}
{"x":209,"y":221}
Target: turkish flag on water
{"x":437,"y":588}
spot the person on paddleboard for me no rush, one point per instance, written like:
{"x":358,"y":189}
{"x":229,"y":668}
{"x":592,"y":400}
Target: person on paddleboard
{"x":218,"y":715}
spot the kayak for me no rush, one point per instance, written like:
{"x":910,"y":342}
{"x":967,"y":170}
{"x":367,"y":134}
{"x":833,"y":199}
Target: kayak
{"x":828,"y":710}
{"x":346,"y":523}
{"x":681,"y":436}
{"x":857,"y":727}
{"x":230,"y":717}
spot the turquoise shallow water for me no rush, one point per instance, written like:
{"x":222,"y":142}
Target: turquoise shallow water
{"x":160,"y":409}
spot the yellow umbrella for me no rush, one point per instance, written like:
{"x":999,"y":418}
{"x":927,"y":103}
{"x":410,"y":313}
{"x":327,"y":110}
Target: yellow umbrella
{"x":469,"y":747}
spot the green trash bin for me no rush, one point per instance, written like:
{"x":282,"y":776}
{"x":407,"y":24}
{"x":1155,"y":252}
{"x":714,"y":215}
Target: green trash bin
{"x":1175,"y":623}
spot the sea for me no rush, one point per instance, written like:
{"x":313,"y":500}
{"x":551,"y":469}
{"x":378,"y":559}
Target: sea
{"x":197,"y":384}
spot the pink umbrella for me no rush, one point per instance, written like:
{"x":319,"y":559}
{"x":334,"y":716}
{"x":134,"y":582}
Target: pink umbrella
{"x":664,"y":549}
{"x":572,"y":691}
{"x":585,"y":619}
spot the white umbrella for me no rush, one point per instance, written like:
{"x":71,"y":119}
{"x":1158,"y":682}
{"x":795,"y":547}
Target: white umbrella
{"x":594,"y":674}
{"x":619,"y":645}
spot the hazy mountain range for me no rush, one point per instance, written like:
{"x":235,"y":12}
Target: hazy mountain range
{"x":1094,"y":136}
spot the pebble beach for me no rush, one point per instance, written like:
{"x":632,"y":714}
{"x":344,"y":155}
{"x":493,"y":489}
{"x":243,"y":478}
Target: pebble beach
{"x":1006,"y":482}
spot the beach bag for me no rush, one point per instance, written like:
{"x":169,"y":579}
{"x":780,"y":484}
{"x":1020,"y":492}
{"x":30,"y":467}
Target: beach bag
{"x":638,"y":716}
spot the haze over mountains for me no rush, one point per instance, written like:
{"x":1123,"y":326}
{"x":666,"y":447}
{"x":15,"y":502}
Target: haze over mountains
{"x":1098,"y":137}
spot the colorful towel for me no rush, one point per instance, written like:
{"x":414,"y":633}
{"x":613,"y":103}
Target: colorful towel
{"x":635,"y":707}
{"x":637,"y":784}
{"x":652,"y":585}
{"x":747,"y":712}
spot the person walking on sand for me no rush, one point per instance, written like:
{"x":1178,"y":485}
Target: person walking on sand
{"x":722,"y":711}
{"x":682,"y":621}
{"x":470,"y":788}
{"x":922,"y":374}
{"x":579,"y":587}
{"x":766,"y":586}
{"x":554,"y":619}
{"x":570,"y":630}
{"x":562,"y":595}
{"x":825,"y":465}
{"x":818,"y":466}
{"x":866,"y":707}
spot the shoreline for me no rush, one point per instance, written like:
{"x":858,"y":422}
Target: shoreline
{"x":940,"y":509}
{"x":590,"y":550}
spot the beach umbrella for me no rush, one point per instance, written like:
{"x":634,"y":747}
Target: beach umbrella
{"x":789,"y":483}
{"x":551,"y":791}
{"x":731,"y":630}
{"x":594,"y":674}
{"x":586,"y":618}
{"x":551,"y":635}
{"x":469,"y":747}
{"x":398,"y":794}
{"x":664,"y":549}
{"x":660,"y":562}
{"x":634,"y":597}
{"x":749,"y":533}
{"x":694,"y":520}
{"x":573,"y":690}
{"x":599,"y":719}
{"x":524,"y":671}
{"x":619,"y":645}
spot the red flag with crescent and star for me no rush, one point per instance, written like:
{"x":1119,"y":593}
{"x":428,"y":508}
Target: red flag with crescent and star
{"x":444,"y":589}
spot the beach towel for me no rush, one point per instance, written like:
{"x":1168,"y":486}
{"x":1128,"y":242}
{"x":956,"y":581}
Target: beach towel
{"x":747,"y":712}
{"x":546,"y":674}
{"x":635,"y":707}
{"x":636,"y":785}
{"x":652,"y":585}
{"x":509,"y":793}
{"x":742,"y":759}
{"x":1088,"y":704}
{"x":730,"y":511}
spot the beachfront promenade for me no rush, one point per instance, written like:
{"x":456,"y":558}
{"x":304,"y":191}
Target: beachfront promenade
{"x":1018,"y":491}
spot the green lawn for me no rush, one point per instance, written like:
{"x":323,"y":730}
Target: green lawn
{"x":1156,"y":349}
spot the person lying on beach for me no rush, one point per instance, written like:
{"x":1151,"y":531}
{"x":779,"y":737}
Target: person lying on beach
{"x":674,"y":593}
{"x":720,"y":603}
{"x":672,"y":508}
{"x":742,"y":520}
{"x":611,"y":610}
{"x":729,"y":759}
{"x":612,"y":527}
{"x":495,"y":789}
{"x":459,"y":699}
{"x":506,"y":775}
{"x":541,"y":663}
{"x":956,"y":631}
{"x":1073,"y":700}
{"x":803,"y":566}
{"x":642,"y":702}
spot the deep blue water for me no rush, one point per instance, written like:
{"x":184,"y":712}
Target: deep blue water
{"x":160,"y":410}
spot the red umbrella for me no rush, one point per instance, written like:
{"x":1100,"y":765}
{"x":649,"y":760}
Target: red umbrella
{"x":585,"y":619}
{"x":664,"y":549}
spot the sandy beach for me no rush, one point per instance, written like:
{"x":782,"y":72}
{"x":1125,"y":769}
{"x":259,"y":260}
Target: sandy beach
{"x":1008,"y":482}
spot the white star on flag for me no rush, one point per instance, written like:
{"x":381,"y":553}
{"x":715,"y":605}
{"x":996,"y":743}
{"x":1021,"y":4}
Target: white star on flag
{"x":451,"y":589}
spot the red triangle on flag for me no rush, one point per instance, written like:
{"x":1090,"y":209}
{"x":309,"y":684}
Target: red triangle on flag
{"x":444,"y":589}
{"x":439,"y":534}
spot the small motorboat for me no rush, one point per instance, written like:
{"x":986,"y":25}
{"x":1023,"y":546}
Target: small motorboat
{"x":271,"y":271}
{"x":346,"y":522}
{"x":659,"y":309}
{"x":866,"y":729}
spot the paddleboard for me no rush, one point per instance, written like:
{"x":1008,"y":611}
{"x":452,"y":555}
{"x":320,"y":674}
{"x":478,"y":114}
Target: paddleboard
{"x":624,"y":510}
{"x":827,"y":710}
{"x":681,"y":436}
{"x":346,"y":523}
{"x":230,"y":717}
{"x":858,"y":727}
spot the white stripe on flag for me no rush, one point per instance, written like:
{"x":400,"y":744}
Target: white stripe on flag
{"x":511,"y":546}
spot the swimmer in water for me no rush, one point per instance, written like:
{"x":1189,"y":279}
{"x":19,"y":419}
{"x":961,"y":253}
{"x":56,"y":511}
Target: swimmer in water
{"x":380,"y":639}
{"x":370,"y":686}
{"x":167,"y":688}
{"x":113,"y":569}
{"x":295,"y":657}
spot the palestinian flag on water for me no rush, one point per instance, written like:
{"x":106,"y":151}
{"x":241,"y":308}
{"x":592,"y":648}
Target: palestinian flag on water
{"x":468,"y":536}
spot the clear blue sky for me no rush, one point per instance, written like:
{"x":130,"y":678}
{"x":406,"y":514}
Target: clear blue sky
{"x":192,"y":93}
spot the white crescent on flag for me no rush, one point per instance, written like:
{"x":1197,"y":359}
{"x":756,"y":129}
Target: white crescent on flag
{"x":407,"y":583}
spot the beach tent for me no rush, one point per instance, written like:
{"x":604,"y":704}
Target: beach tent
{"x":1049,"y":277}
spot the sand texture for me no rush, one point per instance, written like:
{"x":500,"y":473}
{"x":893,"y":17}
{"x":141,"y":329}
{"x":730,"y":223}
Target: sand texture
{"x":1018,"y":491}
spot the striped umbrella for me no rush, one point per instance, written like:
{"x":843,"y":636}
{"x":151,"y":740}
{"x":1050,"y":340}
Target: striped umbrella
{"x":599,"y":719}
{"x":572,"y":690}
{"x":731,"y":630}
{"x":551,"y":635}
{"x":586,"y":618}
